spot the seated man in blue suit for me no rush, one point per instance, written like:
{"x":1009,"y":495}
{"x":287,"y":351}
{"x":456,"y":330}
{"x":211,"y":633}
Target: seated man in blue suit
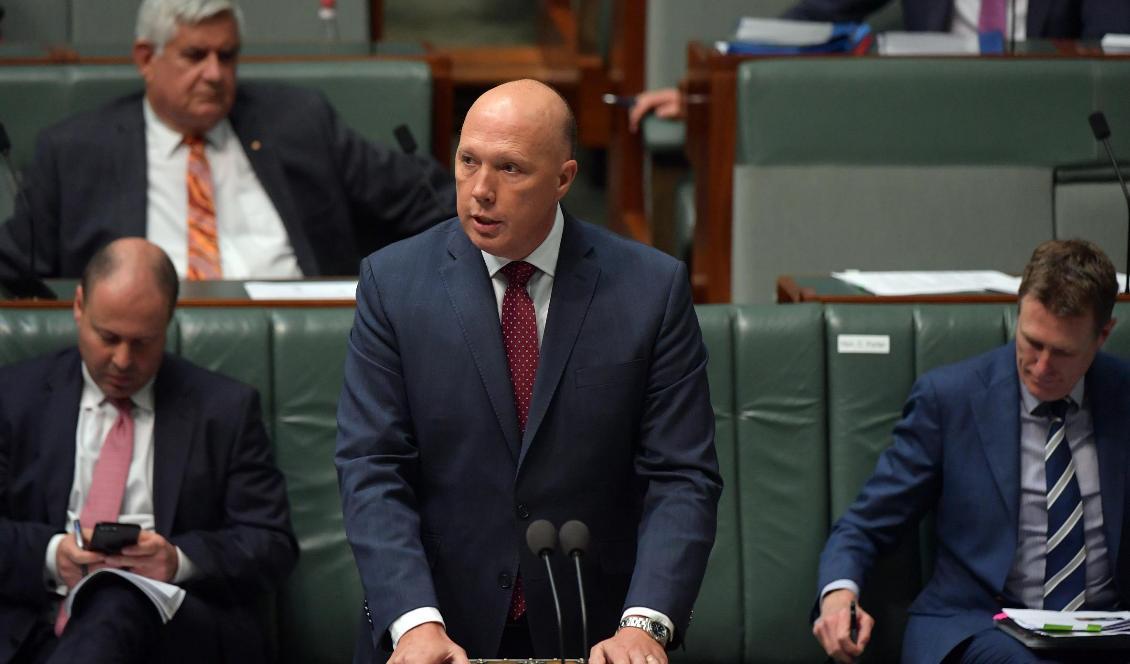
{"x":1022,"y":454}
{"x":259,"y":180}
{"x":116,"y":430}
{"x":516,"y":364}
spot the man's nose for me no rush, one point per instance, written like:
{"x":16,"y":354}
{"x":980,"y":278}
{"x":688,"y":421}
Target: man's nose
{"x":482,"y":187}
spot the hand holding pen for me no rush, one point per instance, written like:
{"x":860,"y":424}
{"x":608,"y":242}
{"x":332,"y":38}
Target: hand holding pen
{"x":72,"y":561}
{"x":843,"y":628}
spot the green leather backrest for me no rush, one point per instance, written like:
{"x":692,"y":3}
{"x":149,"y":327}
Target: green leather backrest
{"x":921,"y":111}
{"x":782,"y":475}
{"x":372,"y":96}
{"x":320,"y":605}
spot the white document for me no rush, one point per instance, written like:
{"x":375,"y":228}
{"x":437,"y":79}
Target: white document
{"x":928,"y":43}
{"x":1116,"y":43}
{"x":1074,"y":623}
{"x":301,"y":290}
{"x":930,"y":283}
{"x":166,"y":597}
{"x":782,"y":32}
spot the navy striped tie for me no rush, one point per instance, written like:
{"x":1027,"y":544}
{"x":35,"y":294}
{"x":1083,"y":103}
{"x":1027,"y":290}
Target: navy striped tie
{"x":1065,"y":568}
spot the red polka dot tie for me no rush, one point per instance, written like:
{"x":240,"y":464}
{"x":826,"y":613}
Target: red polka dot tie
{"x":520,"y":336}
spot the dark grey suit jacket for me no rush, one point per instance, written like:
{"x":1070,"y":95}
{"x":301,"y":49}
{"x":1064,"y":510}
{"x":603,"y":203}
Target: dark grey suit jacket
{"x":339,"y":196}
{"x":438,"y":486}
{"x":1047,"y":19}
{"x":216,"y":491}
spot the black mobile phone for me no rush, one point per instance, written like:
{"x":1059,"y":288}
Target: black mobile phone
{"x":112,"y":537}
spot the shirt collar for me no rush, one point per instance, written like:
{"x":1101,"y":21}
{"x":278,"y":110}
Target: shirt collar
{"x":93,"y":397}
{"x":543,"y":258}
{"x":1031,"y":403}
{"x":167,"y":140}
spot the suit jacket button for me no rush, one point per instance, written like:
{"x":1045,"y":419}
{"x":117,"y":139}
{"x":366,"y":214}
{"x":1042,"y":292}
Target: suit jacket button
{"x":523,"y":511}
{"x":504,"y":581}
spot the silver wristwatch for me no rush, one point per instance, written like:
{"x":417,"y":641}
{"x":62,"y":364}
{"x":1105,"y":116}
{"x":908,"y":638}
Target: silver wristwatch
{"x":654,"y":628}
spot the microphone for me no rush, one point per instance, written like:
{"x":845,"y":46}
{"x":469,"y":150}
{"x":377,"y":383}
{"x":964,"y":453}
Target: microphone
{"x":30,"y":286}
{"x":1101,"y":130}
{"x":541,"y":537}
{"x":407,"y":143}
{"x":574,"y":538}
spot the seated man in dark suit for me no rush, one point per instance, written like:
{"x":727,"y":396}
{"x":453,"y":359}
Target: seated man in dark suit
{"x":258,"y":181}
{"x":1022,"y":454}
{"x":118,"y":431}
{"x":516,"y":364}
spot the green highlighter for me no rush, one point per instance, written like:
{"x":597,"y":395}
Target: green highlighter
{"x":1049,"y":627}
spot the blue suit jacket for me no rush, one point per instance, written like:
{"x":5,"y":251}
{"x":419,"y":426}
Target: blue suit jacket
{"x":438,"y":487}
{"x":957,"y":451}
{"x":1047,"y":19}
{"x":339,"y":196}
{"x":216,"y":492}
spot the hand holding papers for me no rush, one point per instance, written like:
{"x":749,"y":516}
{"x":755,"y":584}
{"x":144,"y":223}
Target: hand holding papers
{"x":166,"y":597}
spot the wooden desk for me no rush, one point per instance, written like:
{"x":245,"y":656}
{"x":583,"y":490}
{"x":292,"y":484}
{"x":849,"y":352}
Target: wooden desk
{"x":192,"y":294}
{"x":827,"y":289}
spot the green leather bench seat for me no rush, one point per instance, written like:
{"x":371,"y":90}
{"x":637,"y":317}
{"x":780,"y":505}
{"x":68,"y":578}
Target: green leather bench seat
{"x":372,"y":96}
{"x":799,"y":427}
{"x":908,"y":163}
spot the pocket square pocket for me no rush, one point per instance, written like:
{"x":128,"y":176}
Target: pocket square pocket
{"x":610,"y":374}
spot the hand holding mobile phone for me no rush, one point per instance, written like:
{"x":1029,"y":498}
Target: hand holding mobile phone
{"x":110,"y":538}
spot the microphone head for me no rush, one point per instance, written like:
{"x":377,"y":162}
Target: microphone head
{"x":541,"y":537}
{"x":1099,"y":127}
{"x":5,"y":144}
{"x":404,"y":138}
{"x":574,"y":538}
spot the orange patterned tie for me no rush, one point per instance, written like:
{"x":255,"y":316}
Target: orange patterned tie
{"x":203,"y":242}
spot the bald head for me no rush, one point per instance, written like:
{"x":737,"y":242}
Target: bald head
{"x":133,"y":265}
{"x":537,"y":103}
{"x":513,"y":166}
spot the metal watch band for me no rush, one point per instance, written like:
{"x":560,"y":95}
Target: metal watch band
{"x":654,"y":628}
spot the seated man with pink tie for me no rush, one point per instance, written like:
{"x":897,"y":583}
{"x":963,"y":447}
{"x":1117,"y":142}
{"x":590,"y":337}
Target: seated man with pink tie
{"x":116,"y":430}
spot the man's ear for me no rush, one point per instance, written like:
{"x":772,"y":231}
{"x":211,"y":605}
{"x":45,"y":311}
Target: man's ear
{"x":565,"y":177}
{"x":142,"y":53}
{"x":76,"y":308}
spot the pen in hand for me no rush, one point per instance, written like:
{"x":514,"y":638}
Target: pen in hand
{"x":79,"y":543}
{"x":853,"y":629}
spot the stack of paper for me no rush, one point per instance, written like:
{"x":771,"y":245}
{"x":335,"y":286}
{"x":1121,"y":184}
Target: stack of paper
{"x":928,"y":43}
{"x":930,"y":283}
{"x":776,"y":36}
{"x":1115,"y":43}
{"x":166,"y":597}
{"x":1071,"y":623}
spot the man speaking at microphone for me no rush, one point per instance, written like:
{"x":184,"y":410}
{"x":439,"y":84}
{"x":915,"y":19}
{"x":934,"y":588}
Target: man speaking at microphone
{"x":516,"y":364}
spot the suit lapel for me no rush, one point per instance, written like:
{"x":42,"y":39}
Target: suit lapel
{"x":173,"y":426}
{"x":264,"y":158}
{"x":131,"y":169}
{"x":1038,"y":11}
{"x":573,"y":285}
{"x":472,"y":297}
{"x":1109,"y":400}
{"x":997,"y":412}
{"x":57,"y":455}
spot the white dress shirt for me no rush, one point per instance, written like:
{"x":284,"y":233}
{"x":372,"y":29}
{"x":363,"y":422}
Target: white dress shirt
{"x":95,"y":419}
{"x":966,"y":14}
{"x":540,"y":288}
{"x":253,"y":241}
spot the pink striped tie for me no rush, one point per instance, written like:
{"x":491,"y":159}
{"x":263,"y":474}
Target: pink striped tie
{"x":993,"y":16}
{"x":108,"y":485}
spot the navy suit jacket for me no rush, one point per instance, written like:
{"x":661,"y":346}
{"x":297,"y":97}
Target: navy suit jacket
{"x":957,"y":451}
{"x":339,"y":196}
{"x":1047,"y":19}
{"x":216,"y":491}
{"x":438,"y":487}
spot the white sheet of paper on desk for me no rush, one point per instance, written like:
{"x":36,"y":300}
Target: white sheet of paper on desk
{"x":1110,"y":622}
{"x":301,"y":290}
{"x":782,"y":32}
{"x":1116,"y":43}
{"x":930,"y":283}
{"x":927,"y":43}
